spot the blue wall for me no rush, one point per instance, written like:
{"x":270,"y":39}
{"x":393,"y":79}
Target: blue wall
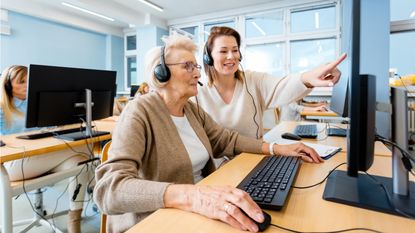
{"x":38,"y":41}
{"x":147,"y":38}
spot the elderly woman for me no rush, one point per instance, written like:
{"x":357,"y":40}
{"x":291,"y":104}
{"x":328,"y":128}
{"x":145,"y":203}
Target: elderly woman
{"x":164,"y":143}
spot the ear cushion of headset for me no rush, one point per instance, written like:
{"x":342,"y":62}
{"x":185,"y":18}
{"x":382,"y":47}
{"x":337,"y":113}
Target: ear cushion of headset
{"x":162,"y":74}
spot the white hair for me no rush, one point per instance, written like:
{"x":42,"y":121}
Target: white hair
{"x":173,"y":42}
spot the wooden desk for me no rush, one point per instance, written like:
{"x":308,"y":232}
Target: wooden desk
{"x":305,"y":209}
{"x":20,"y":148}
{"x":315,"y":113}
{"x":17,"y":148}
{"x":288,"y":126}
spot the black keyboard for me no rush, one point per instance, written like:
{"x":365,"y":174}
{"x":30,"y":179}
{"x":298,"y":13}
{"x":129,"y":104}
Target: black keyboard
{"x":51,"y":133}
{"x":306,"y":131}
{"x":337,"y":132}
{"x":270,"y":181}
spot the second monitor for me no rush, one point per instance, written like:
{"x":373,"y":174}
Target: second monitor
{"x":62,"y":95}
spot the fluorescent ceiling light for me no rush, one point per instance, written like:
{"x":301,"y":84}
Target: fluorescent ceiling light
{"x":150,"y":4}
{"x":258,"y":28}
{"x":87,"y":11}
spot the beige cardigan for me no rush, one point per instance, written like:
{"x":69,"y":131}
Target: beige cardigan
{"x":147,"y":155}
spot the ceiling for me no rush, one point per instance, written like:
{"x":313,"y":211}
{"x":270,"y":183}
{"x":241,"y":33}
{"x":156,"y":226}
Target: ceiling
{"x":125,"y":12}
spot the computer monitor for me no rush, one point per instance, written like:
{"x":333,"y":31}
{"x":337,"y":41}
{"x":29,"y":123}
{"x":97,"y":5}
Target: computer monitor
{"x":61,"y":95}
{"x":133,"y":90}
{"x":340,"y":94}
{"x":353,"y":187}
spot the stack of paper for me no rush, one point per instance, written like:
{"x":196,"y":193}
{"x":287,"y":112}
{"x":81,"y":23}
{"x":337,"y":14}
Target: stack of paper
{"x":324,"y":151}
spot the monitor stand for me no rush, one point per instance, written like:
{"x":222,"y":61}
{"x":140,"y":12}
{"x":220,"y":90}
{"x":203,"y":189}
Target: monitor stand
{"x":88,"y":133}
{"x":364,"y":192}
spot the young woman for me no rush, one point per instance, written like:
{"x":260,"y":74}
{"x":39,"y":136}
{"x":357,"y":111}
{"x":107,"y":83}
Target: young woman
{"x":237,"y":99}
{"x":164,"y":143}
{"x":12,"y":120}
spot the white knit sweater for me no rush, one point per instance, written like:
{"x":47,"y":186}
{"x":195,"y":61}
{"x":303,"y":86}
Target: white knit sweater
{"x":266,"y":90}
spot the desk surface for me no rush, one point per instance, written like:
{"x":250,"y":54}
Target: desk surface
{"x":288,"y":126}
{"x":16,"y":148}
{"x":305,"y":209}
{"x":315,"y":113}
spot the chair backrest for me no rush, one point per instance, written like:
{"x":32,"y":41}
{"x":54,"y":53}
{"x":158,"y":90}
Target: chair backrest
{"x":277,"y":114}
{"x":104,"y":157}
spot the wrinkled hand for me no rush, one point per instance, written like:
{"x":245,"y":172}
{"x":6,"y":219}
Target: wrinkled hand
{"x":225,"y":204}
{"x":325,"y":75}
{"x":222,"y":203}
{"x":306,"y":153}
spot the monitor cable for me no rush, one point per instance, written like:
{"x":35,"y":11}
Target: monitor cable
{"x":405,"y":156}
{"x":389,"y":198}
{"x":337,"y":231}
{"x":25,"y":191}
{"x":325,"y":178}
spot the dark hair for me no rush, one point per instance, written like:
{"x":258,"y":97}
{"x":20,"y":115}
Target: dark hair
{"x":216,"y":32}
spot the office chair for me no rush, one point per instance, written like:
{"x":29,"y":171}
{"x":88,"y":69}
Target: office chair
{"x":277,"y":114}
{"x":11,"y":189}
{"x":104,"y":157}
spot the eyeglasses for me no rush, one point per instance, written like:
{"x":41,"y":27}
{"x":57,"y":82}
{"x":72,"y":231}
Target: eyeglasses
{"x":189,"y":66}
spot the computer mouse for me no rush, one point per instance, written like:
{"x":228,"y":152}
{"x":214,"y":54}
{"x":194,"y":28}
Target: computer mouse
{"x":265,"y":224}
{"x":262,"y":226}
{"x":290,"y":136}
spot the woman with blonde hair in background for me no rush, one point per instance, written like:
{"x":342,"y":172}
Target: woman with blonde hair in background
{"x":12,"y":120}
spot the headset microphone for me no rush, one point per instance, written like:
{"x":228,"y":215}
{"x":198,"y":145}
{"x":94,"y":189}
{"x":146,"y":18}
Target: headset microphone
{"x":201,"y":84}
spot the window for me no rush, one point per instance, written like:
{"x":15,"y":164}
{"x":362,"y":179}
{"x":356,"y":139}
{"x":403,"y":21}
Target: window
{"x":191,"y":32}
{"x":402,"y":37}
{"x":282,"y":39}
{"x":402,"y":10}
{"x":264,"y":25}
{"x":208,"y":26}
{"x":402,"y":52}
{"x":131,"y":71}
{"x":131,"y":42}
{"x":130,"y":61}
{"x":314,"y":19}
{"x":266,"y":58}
{"x":307,"y":54}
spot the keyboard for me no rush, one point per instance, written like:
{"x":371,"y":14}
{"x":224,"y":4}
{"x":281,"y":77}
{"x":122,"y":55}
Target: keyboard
{"x":51,"y":133}
{"x":306,"y":131}
{"x":270,"y":181}
{"x":337,"y":132}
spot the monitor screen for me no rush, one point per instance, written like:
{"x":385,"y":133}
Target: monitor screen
{"x":53,"y":92}
{"x":133,"y":90}
{"x":340,"y":96}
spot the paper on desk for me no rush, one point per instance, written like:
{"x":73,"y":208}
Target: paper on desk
{"x":324,"y":151}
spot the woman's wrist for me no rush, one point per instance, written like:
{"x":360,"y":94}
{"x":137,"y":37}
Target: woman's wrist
{"x":304,"y":80}
{"x":178,"y":196}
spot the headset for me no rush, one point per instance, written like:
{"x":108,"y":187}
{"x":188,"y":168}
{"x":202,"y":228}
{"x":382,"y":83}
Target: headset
{"x":207,"y":57}
{"x":161,"y":71}
{"x":8,"y":83}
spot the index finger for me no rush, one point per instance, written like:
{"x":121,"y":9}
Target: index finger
{"x":242,"y":200}
{"x":339,"y":60}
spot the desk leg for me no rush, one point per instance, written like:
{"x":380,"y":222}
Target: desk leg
{"x":6,"y":200}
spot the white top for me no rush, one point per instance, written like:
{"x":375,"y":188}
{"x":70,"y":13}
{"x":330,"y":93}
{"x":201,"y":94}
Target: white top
{"x":291,"y":112}
{"x":267,"y":91}
{"x":198,"y":154}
